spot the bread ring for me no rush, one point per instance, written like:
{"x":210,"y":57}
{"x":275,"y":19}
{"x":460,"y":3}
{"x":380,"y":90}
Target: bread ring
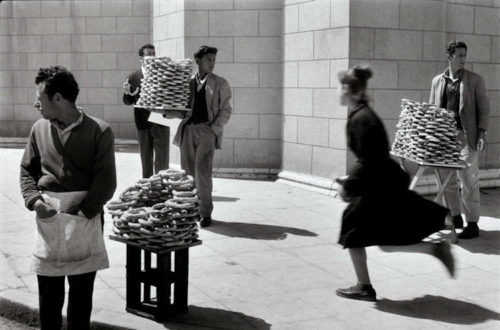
{"x":173,"y":204}
{"x":188,"y":179}
{"x":191,"y":193}
{"x":145,"y":222}
{"x":134,"y":214}
{"x":119,"y":205}
{"x":134,"y":225}
{"x":185,"y":199}
{"x":184,"y":187}
{"x":172,"y":173}
{"x":130,"y":193}
{"x":155,"y":179}
{"x":185,"y":214}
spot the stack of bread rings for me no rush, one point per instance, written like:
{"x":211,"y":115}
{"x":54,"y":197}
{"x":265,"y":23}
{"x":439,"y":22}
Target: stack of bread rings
{"x":158,"y":212}
{"x":426,"y":133}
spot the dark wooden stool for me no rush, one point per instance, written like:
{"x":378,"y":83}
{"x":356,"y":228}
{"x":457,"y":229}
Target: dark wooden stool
{"x":169,"y":277}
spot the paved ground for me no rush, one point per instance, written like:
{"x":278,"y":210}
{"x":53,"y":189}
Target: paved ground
{"x":6,"y":323}
{"x":270,"y":260}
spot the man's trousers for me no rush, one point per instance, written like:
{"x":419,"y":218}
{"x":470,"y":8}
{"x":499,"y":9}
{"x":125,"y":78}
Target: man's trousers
{"x":468,"y":180}
{"x":154,"y":148}
{"x":51,"y":301}
{"x":197,"y":153}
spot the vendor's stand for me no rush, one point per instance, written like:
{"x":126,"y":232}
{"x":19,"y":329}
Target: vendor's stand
{"x":428,"y":137}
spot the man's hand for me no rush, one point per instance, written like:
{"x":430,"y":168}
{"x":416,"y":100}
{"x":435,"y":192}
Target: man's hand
{"x":481,"y":140}
{"x":127,"y":89}
{"x":43,"y":210}
{"x":73,"y":209}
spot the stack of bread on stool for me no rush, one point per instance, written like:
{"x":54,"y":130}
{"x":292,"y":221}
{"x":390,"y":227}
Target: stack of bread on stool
{"x":158,"y":212}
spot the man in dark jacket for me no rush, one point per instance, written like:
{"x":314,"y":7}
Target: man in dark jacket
{"x":201,"y":129}
{"x":154,"y":139}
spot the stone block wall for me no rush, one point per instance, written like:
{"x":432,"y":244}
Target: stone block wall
{"x":96,"y":40}
{"x":405,"y":40}
{"x":316,"y":47}
{"x":248,"y":35}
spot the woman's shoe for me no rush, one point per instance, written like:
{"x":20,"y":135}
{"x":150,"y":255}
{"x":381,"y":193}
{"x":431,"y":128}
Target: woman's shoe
{"x":355,"y":292}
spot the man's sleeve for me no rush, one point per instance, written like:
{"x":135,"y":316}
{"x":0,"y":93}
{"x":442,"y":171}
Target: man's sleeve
{"x":31,"y":171}
{"x":103,"y":184}
{"x":224,"y":108}
{"x":482,"y":105}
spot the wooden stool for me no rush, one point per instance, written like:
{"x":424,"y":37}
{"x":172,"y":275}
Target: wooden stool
{"x":169,"y":277}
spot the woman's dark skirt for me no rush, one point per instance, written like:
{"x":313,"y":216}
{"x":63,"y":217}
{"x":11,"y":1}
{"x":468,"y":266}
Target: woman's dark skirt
{"x":396,"y":219}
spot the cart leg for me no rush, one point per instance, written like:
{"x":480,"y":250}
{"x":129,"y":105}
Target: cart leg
{"x":441,"y":197}
{"x":133,"y":294}
{"x":147,"y":268}
{"x":164,"y":281}
{"x":416,"y":177}
{"x":181,"y":280}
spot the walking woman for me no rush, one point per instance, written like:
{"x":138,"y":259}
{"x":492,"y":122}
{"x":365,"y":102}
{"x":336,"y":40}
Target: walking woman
{"x":381,"y":210}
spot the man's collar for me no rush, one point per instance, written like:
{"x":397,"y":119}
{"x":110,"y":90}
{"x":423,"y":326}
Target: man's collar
{"x":199,"y":80}
{"x":59,"y":125}
{"x":459,"y":76}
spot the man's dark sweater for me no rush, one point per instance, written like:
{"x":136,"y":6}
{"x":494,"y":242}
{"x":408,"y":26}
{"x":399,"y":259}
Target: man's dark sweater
{"x":85,"y":162}
{"x":200,"y":114}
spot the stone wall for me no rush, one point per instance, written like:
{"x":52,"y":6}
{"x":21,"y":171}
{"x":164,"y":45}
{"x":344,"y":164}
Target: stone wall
{"x":281,"y":59}
{"x":248,"y":36}
{"x":316,"y":47}
{"x":404,"y":42}
{"x":96,"y":40}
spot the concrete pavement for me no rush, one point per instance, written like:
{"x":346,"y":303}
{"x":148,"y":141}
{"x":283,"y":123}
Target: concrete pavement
{"x":270,"y":260}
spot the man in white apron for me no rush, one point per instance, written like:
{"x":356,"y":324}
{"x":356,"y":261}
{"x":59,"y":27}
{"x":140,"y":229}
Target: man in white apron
{"x":67,"y":175}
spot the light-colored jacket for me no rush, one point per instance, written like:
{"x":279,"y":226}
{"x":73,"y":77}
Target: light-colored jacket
{"x":218,"y":95}
{"x":474,"y":106}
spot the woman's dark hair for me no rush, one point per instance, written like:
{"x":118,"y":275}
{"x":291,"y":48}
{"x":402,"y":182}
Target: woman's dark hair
{"x":146,"y":46}
{"x":58,"y":79}
{"x":205,"y":50}
{"x":454,"y":44}
{"x":356,"y":78}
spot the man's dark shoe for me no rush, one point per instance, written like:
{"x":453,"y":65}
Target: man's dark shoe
{"x":469,"y":232}
{"x":458,"y":221}
{"x":355,"y":292}
{"x":205,"y":222}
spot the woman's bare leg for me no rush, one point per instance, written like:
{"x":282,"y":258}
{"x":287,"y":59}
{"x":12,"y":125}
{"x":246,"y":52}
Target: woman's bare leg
{"x":363,"y":290}
{"x":358,"y":258}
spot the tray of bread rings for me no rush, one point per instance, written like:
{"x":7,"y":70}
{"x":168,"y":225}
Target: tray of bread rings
{"x":165,"y":85}
{"x":157,"y":213}
{"x":427,"y":133}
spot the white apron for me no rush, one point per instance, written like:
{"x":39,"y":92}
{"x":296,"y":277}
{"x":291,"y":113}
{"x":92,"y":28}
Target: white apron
{"x":68,"y":244}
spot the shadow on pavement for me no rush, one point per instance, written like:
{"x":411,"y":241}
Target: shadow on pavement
{"x":213,"y":318}
{"x":439,"y":309}
{"x":255,"y":231}
{"x":489,"y":202}
{"x":224,"y":199}
{"x":488,"y":242}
